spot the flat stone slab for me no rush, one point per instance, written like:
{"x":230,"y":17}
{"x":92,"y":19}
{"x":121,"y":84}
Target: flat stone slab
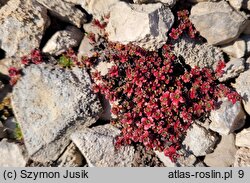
{"x":50,"y":103}
{"x":97,"y":146}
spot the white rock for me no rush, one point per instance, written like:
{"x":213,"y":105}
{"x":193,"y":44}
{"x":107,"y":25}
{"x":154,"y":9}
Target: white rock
{"x":65,"y":11}
{"x":50,"y":103}
{"x":197,"y":53}
{"x":242,"y":86}
{"x":72,"y":157}
{"x":166,"y":2}
{"x":97,"y":146}
{"x":223,"y":155}
{"x":23,"y":23}
{"x":233,"y":69}
{"x":218,"y":22}
{"x":237,"y":4}
{"x":242,"y":157}
{"x":199,"y":141}
{"x":143,"y":25}
{"x":228,"y":118}
{"x":236,"y":49}
{"x":61,"y":41}
{"x":242,"y":138}
{"x":12,"y":154}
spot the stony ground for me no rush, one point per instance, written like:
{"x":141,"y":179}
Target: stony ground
{"x":51,"y":116}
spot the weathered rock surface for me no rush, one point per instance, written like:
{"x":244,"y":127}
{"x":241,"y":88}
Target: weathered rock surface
{"x":233,"y":69}
{"x":166,"y":2}
{"x":199,"y":141}
{"x":223,"y":155}
{"x":218,"y":22}
{"x":12,"y":154}
{"x":97,"y":146}
{"x":242,"y":138}
{"x":196,"y":53}
{"x":61,"y":41}
{"x":228,"y":118}
{"x":29,"y":18}
{"x":242,"y":86}
{"x":50,"y":103}
{"x":237,"y":4}
{"x":242,"y":158}
{"x":236,"y":49}
{"x":72,"y":157}
{"x":145,"y":25}
{"x":65,"y":11}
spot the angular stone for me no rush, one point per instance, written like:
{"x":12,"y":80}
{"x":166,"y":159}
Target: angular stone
{"x":61,"y":41}
{"x":29,"y":18}
{"x":145,"y":25}
{"x":237,"y":4}
{"x":166,"y":2}
{"x":236,"y":49}
{"x":223,"y":155}
{"x":242,"y":138}
{"x":72,"y":157}
{"x":242,"y":86}
{"x":12,"y":154}
{"x":65,"y":11}
{"x":196,"y":53}
{"x":218,"y":22}
{"x":97,"y":146}
{"x":199,"y":141}
{"x":50,"y":103}
{"x":242,"y":157}
{"x":228,"y":118}
{"x":233,"y":69}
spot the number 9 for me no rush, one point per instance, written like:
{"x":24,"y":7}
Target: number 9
{"x":241,"y":173}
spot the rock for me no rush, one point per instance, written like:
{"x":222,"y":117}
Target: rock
{"x":236,"y":49}
{"x":228,"y":118}
{"x":6,"y":63}
{"x":50,"y":103}
{"x":13,"y":154}
{"x":97,"y":146}
{"x":65,"y":11}
{"x":242,"y":138}
{"x":27,"y":16}
{"x":165,"y":159}
{"x":144,"y":25}
{"x":61,"y":41}
{"x":237,"y":4}
{"x":242,"y":158}
{"x":166,"y":2}
{"x":199,"y":141}
{"x":72,"y":157}
{"x":196,"y":53}
{"x":3,"y":133}
{"x":223,"y":155}
{"x":218,"y":22}
{"x":242,"y":86}
{"x":233,"y":69}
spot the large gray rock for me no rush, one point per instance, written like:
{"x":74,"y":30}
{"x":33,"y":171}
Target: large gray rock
{"x":97,"y":146}
{"x":23,"y":23}
{"x":144,"y":25}
{"x":218,"y":22}
{"x":199,"y":141}
{"x":196,"y":53}
{"x":12,"y":154}
{"x":233,"y":69}
{"x":50,"y":103}
{"x":242,"y":86}
{"x":72,"y":157}
{"x":242,"y":138}
{"x":228,"y":118}
{"x":223,"y":155}
{"x":61,"y":41}
{"x":242,"y":157}
{"x":65,"y":11}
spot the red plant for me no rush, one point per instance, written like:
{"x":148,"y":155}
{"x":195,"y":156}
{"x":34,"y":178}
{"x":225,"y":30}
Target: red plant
{"x":14,"y":74}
